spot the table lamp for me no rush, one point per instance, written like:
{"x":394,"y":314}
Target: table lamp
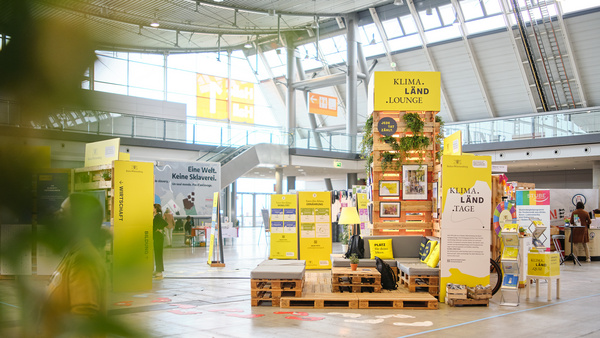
{"x":349,"y":216}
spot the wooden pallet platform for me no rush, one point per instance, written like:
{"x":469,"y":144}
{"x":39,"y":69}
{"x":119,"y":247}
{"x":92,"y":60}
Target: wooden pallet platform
{"x":266,"y":302}
{"x":321,"y":282}
{"x":276,"y":284}
{"x":269,"y":294}
{"x":430,"y":283}
{"x":468,"y":302}
{"x":356,"y":288}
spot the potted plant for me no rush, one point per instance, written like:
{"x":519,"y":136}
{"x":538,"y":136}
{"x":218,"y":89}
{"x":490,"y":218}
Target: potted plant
{"x":107,"y":175}
{"x":521,"y":231}
{"x":353,"y":262}
{"x":344,"y":236}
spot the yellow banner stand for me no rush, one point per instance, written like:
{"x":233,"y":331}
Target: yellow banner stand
{"x":315,"y":229}
{"x":284,"y":227}
{"x":132,"y":200}
{"x":216,"y":228}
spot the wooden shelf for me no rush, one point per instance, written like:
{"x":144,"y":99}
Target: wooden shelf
{"x":97,"y":185}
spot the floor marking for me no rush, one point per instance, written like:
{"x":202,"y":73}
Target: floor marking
{"x":179,"y":312}
{"x":301,"y":314}
{"x":305,"y":319}
{"x":161,"y":300}
{"x":425,"y":323}
{"x":244,"y":316}
{"x":124,"y":303}
{"x":346,"y":315}
{"x":500,"y":315}
{"x":183,"y":306}
{"x":227,"y":310}
{"x":365,"y":321}
{"x":395,"y":316}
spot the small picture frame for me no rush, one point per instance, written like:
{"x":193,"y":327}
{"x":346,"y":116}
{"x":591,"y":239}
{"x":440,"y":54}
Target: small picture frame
{"x":414,"y":182}
{"x":389,"y":188}
{"x":389,"y":209}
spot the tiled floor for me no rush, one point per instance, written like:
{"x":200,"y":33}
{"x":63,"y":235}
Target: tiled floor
{"x":195,"y":300}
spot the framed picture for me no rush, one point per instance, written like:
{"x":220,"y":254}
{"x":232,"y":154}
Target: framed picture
{"x":389,"y":209}
{"x":414,"y":182}
{"x":389,"y":188}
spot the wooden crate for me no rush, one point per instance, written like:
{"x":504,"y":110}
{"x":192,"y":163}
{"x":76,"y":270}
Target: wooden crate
{"x":468,"y":302}
{"x":479,"y":293}
{"x":361,"y":280}
{"x":276,"y":284}
{"x":410,"y":301}
{"x":456,"y":293}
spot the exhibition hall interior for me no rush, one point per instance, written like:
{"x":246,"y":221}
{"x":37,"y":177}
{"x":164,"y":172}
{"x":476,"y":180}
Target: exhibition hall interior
{"x":279,"y":168}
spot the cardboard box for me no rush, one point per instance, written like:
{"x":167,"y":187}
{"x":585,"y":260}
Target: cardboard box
{"x":545,"y":264}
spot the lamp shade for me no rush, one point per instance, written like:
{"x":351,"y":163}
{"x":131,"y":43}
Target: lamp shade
{"x":349,"y":216}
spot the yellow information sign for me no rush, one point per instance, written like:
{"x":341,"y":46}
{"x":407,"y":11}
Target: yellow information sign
{"x":315,"y":229}
{"x":284,"y":227}
{"x":214,"y":223}
{"x":102,"y":152}
{"x":405,"y":91}
{"x":132,"y":226}
{"x":453,"y":144}
{"x":545,"y":264}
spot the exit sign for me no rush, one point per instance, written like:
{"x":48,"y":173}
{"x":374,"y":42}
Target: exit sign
{"x":337,"y":164}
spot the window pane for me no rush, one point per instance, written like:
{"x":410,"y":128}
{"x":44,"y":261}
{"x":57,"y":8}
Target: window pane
{"x":153,"y":59}
{"x":405,"y":42}
{"x":182,"y":82}
{"x":448,"y":15}
{"x":272,"y":58}
{"x":376,"y":49}
{"x":341,"y":43}
{"x":208,"y":64}
{"x":408,"y":23}
{"x":182,"y":61}
{"x":110,"y":88}
{"x":492,"y":7}
{"x":371,"y":33}
{"x":471,"y":9}
{"x":484,"y":25}
{"x":147,"y":93}
{"x":327,"y":46}
{"x":445,"y":33}
{"x":392,"y":28}
{"x":430,"y":21}
{"x":241,"y":70}
{"x":110,"y":70}
{"x":146,"y":76}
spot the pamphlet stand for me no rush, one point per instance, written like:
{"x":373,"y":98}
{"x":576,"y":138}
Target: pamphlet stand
{"x":510,"y":264}
{"x":537,"y":229}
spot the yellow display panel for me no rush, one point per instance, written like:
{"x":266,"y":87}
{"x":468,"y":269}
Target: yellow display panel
{"x":133,"y":259}
{"x":284,"y":227}
{"x":453,"y":144}
{"x":315,"y":229}
{"x":102,"y":152}
{"x":405,"y":91}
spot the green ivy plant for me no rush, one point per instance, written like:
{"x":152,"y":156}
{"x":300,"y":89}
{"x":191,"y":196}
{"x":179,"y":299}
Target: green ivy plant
{"x":366,"y":145}
{"x":405,"y":144}
{"x":439,"y":138}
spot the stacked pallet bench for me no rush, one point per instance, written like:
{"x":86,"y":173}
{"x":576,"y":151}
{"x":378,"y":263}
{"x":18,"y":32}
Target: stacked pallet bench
{"x":414,"y":214}
{"x":419,"y":277}
{"x":273,"y":279}
{"x":361,"y":280}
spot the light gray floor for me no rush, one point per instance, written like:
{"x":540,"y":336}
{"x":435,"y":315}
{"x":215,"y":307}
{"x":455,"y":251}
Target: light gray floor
{"x":199,"y":301}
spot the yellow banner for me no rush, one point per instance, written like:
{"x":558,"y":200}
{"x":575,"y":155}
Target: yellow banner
{"x":214,"y":96}
{"x":214,"y":223}
{"x":453,"y":144}
{"x":405,"y":91}
{"x":284,"y":227}
{"x":102,"y":152}
{"x":315,"y":229}
{"x":465,"y":222}
{"x":132,"y":200}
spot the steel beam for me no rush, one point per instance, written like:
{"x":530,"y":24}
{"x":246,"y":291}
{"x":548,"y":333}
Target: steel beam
{"x":569,"y":47}
{"x":323,"y":81}
{"x":430,"y":60}
{"x":386,"y":44}
{"x":291,"y":92}
{"x":311,"y":117}
{"x":351,"y":81}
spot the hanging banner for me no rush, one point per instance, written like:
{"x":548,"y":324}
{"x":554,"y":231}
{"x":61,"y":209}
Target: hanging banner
{"x":453,"y":144}
{"x":102,"y":152}
{"x":404,"y":91}
{"x":322,"y":104}
{"x":132,"y":226}
{"x":187,"y":188}
{"x":315,"y":229}
{"x":284,"y":227}
{"x":363,"y":209}
{"x":213,"y":96}
{"x":466,"y":213}
{"x":534,"y":204}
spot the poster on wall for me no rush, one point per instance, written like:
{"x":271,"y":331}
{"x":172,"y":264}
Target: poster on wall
{"x":284,"y":227}
{"x":133,"y":198}
{"x":563,"y":201}
{"x":187,"y":188}
{"x":534,"y":204}
{"x":315,"y":229}
{"x":362,"y":203}
{"x":414,"y":182}
{"x":466,"y":209}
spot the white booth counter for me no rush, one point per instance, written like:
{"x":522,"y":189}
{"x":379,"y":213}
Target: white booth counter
{"x":594,"y":243}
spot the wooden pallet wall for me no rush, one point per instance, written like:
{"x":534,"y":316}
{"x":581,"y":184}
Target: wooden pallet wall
{"x":415,"y":215}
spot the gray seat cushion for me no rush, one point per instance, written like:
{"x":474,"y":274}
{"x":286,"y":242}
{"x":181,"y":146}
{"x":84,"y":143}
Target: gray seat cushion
{"x":403,"y":246}
{"x":278,"y":272}
{"x":418,"y":269}
{"x":408,"y":260}
{"x":283,"y":262}
{"x":338,"y":260}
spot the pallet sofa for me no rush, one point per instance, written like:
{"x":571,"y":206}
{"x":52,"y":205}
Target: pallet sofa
{"x":407,"y":262}
{"x":273,"y":279}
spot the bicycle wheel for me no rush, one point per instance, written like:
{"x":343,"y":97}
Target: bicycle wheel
{"x":495,"y":276}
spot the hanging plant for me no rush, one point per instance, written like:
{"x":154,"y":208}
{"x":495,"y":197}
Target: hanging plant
{"x":387,"y":161}
{"x":439,"y":138}
{"x":414,"y":122}
{"x":366,"y":145}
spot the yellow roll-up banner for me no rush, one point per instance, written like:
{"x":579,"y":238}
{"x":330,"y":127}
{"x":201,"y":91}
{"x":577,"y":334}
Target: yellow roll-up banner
{"x":284,"y":227}
{"x":132,"y":200}
{"x":315,"y":229}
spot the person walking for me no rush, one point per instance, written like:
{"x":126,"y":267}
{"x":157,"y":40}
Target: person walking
{"x":170,"y":226}
{"x":158,"y":226}
{"x":580,"y":236}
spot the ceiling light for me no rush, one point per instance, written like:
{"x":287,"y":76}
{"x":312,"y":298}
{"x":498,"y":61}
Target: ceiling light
{"x":248,"y":44}
{"x":398,"y":2}
{"x":154,"y":24}
{"x":315,"y":23}
{"x":428,"y":11}
{"x":218,"y":0}
{"x":372,"y":40}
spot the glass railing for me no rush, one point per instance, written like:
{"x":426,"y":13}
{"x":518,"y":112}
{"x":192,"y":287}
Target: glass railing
{"x":526,"y":127}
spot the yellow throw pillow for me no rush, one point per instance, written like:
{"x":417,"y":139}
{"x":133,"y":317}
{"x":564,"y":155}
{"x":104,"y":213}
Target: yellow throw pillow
{"x":381,"y":248}
{"x":428,"y":249}
{"x":434,"y":257}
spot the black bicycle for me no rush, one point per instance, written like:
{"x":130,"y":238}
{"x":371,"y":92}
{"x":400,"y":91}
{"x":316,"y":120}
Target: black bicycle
{"x":495,"y":275}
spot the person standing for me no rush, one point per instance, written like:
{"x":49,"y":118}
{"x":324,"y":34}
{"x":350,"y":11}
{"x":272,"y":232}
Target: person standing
{"x":158,"y":226}
{"x":170,"y":226}
{"x":188,"y":228}
{"x":581,"y":235}
{"x":77,"y":292}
